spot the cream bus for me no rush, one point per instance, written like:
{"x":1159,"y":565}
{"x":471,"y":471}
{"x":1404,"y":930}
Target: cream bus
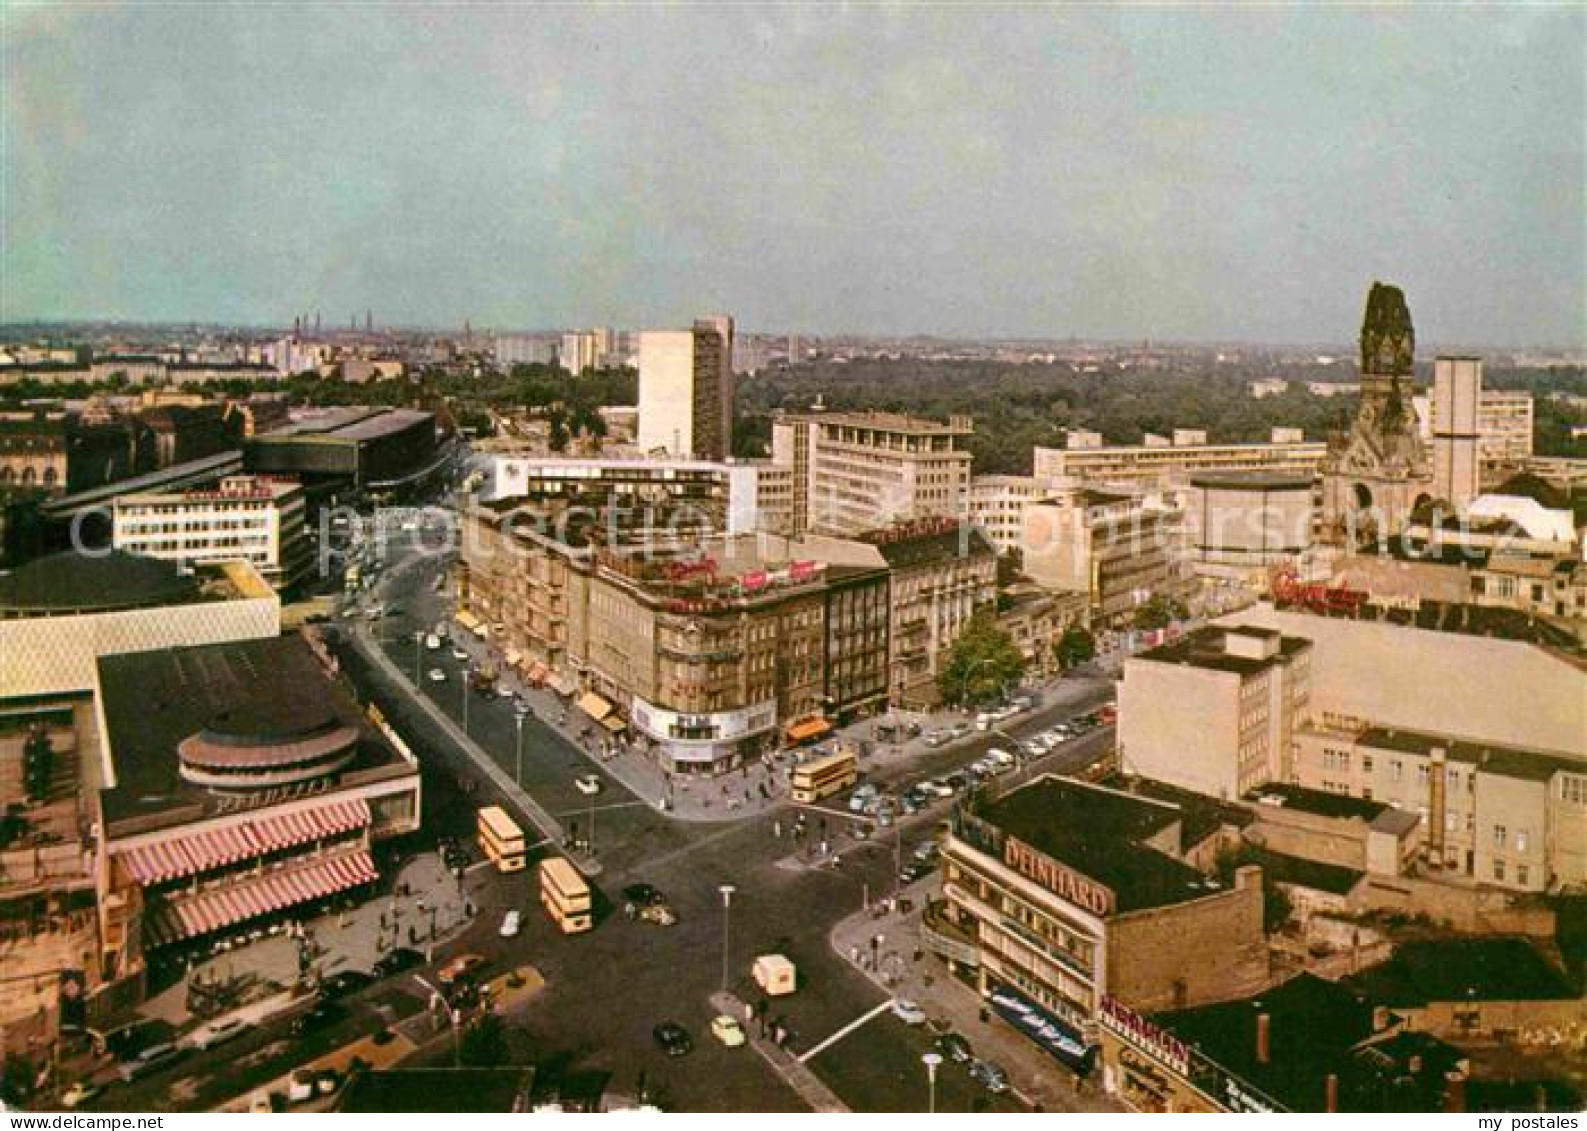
{"x":824,"y":776}
{"x":501,"y":839}
{"x":565,"y":895}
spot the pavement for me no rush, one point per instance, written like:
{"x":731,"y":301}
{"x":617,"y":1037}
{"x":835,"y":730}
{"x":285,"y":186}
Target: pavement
{"x":433,"y":913}
{"x":901,"y":967}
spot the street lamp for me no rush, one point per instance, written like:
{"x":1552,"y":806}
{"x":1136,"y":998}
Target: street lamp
{"x":932,"y":1061}
{"x":418,"y":654}
{"x":468,"y":670}
{"x":517,"y":722}
{"x":727,"y":891}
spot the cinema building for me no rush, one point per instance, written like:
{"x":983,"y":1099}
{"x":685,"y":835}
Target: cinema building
{"x":1061,"y":896}
{"x":241,"y":786}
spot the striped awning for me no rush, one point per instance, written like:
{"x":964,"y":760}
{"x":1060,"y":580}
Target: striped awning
{"x":210,"y":911}
{"x":193,"y":854}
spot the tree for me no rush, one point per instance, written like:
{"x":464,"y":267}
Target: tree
{"x":982,"y":666}
{"x":1075,"y":647}
{"x":484,"y":1043}
{"x":1158,"y":612}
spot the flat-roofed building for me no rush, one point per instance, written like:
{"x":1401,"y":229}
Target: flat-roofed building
{"x":1239,"y":525}
{"x":255,"y":518}
{"x":1159,"y":467}
{"x":866,"y":470}
{"x":1112,"y":546}
{"x":1061,"y":896}
{"x":686,"y":389}
{"x":241,"y":785}
{"x":1215,"y":711}
{"x":997,"y":506}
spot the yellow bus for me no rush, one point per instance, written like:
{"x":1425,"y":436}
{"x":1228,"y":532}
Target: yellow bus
{"x":565,"y":895}
{"x":501,"y":839}
{"x":824,"y":776}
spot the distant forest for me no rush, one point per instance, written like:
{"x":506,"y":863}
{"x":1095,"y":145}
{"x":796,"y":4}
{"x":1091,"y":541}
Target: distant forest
{"x":1018,"y":406}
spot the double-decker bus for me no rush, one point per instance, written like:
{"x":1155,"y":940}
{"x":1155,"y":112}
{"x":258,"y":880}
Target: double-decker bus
{"x":565,"y":895}
{"x":823,"y":776}
{"x":501,"y":839}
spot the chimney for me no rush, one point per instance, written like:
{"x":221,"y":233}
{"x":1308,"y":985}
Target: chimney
{"x":1454,"y":1091}
{"x":1264,"y":1024}
{"x":1331,"y":1093}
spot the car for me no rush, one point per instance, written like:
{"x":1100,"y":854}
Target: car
{"x":1000,"y":756}
{"x":460,"y":968}
{"x":937,"y":787}
{"x":642,"y":895}
{"x":460,"y":656}
{"x":938,"y":738}
{"x":959,"y":730}
{"x":915,"y":870}
{"x":927,"y":851}
{"x":658,"y":913}
{"x":908,"y":1012}
{"x":345,"y":982}
{"x":510,"y":924}
{"x":79,"y":1093}
{"x":673,"y":1038}
{"x":432,"y":642}
{"x":955,"y":1047}
{"x":218,"y":1032}
{"x":956,"y":782}
{"x":322,"y":1015}
{"x":728,"y":1030}
{"x":990,"y":1076}
{"x":151,"y":1059}
{"x":396,"y":961}
{"x":437,"y":675}
{"x":587,"y":784}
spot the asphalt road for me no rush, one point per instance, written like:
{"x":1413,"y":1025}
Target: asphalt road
{"x":606,"y":990}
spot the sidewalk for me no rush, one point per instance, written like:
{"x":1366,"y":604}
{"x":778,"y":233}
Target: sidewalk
{"x":350,"y":940}
{"x":788,"y":1066}
{"x":1036,"y":1078}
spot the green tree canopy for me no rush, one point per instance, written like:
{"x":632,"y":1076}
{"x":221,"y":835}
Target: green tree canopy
{"x":1158,"y":612}
{"x":983,"y":665}
{"x":1075,"y":647}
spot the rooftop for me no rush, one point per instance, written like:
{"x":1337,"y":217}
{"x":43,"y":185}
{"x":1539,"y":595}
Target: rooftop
{"x":349,"y":423}
{"x":265,"y":690}
{"x":890,"y":422}
{"x":1317,"y":801}
{"x":1499,"y":968}
{"x":932,"y":540}
{"x":71,"y":582}
{"x":1098,"y":832}
{"x":1251,"y":481}
{"x":1206,"y":648}
{"x":1509,"y":761}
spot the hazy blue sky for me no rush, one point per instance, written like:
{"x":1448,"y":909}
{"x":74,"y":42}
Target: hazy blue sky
{"x":1174,"y":173}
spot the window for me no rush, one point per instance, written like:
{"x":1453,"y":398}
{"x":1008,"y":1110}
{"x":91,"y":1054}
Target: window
{"x":1520,"y":840}
{"x":1521,"y":874}
{"x":1498,"y":870}
{"x":1500,"y":835}
{"x":1396,"y":770}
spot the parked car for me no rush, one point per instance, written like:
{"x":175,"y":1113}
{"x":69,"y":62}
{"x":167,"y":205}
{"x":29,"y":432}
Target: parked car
{"x":459,"y":969}
{"x":396,"y":961}
{"x":587,"y":784}
{"x":927,"y":851}
{"x":908,"y":1012}
{"x":345,"y":982}
{"x":728,"y":1030}
{"x":862,"y":797}
{"x":151,"y":1059}
{"x":432,"y":642}
{"x":437,"y":675}
{"x":673,"y":1038}
{"x":1000,"y":756}
{"x":510,"y":924}
{"x":915,"y":870}
{"x":218,"y":1032}
{"x":955,"y":1047}
{"x":990,"y":1076}
{"x":659,"y":914}
{"x":939,"y":738}
{"x":941,"y":787}
{"x":459,"y":655}
{"x":79,"y":1093}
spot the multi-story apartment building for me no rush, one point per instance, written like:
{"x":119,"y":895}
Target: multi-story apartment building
{"x":997,"y":507}
{"x":583,"y":350}
{"x":1497,"y":814}
{"x":1215,"y":711}
{"x":686,"y":389}
{"x":255,"y":518}
{"x":707,"y":656}
{"x":941,"y":572}
{"x":724,"y":497}
{"x":864,"y":470}
{"x":1360,"y":705}
{"x":1503,"y":425}
{"x":1061,"y":897}
{"x":1156,"y":468}
{"x":1110,"y":545}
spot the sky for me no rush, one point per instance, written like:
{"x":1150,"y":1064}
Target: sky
{"x":1178,"y":173}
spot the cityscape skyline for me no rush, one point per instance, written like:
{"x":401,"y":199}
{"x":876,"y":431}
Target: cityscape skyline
{"x":764,"y":162}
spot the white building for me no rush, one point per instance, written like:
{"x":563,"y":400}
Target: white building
{"x":997,"y":507}
{"x":254,"y":518}
{"x":686,"y":389}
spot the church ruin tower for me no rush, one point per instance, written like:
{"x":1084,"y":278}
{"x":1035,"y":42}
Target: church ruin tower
{"x":1377,"y":473}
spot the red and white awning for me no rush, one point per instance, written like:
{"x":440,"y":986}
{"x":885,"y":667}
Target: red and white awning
{"x":196,"y":915}
{"x":193,"y":854}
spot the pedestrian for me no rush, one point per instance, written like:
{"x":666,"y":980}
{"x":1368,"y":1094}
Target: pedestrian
{"x":776,"y":829}
{"x":629,"y":911}
{"x":854,"y":955}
